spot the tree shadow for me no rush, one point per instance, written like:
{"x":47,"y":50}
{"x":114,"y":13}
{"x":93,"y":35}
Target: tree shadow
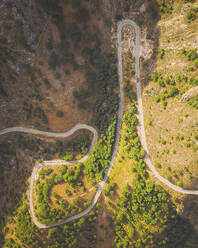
{"x":190,"y":215}
{"x":183,"y":231}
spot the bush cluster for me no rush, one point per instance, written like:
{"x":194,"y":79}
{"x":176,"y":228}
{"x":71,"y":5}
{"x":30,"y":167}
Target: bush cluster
{"x":45,"y":213}
{"x":192,"y":14}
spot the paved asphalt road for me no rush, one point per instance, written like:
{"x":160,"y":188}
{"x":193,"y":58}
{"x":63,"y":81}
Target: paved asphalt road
{"x":137,"y":53}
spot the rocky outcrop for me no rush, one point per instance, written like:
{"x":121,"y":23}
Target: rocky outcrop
{"x":193,"y":92}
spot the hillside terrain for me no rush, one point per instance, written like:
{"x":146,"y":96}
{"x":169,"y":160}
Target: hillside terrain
{"x":60,"y":67}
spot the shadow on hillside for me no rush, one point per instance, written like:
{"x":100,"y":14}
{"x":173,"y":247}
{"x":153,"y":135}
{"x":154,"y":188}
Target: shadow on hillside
{"x":190,"y":214}
{"x":148,"y":19}
{"x":183,"y":233}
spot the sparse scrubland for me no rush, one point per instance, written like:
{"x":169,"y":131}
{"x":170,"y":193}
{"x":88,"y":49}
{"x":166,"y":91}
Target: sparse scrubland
{"x":73,"y":78}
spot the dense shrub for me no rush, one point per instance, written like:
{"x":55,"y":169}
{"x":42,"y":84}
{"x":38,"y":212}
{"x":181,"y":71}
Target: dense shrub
{"x":145,"y":215}
{"x":191,"y":54}
{"x":59,"y":114}
{"x":173,"y":91}
{"x":68,"y":157}
{"x":147,"y":218}
{"x":45,"y":171}
{"x":196,"y":62}
{"x":193,"y":81}
{"x":166,"y":6}
{"x":193,"y":102}
{"x":98,"y":163}
{"x":192,"y":15}
{"x":161,"y":53}
{"x":109,"y":189}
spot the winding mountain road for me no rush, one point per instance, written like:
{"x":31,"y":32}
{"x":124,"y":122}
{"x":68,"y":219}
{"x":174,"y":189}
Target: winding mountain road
{"x":137,"y":53}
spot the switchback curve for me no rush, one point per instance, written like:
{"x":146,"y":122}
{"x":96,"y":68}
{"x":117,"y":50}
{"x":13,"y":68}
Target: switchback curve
{"x":137,"y":53}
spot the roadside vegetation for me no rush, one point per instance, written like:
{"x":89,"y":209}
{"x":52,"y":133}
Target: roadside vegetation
{"x":140,"y":212}
{"x":27,"y":234}
{"x":144,"y":213}
{"x":50,"y":206}
{"x":99,"y":89}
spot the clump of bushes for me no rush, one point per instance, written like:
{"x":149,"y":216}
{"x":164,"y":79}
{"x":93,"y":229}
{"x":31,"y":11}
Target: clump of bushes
{"x":157,"y":77}
{"x":68,"y":157}
{"x":59,"y":114}
{"x":166,"y":6}
{"x":192,"y":15}
{"x":191,"y":54}
{"x":161,"y":53}
{"x":193,"y":81}
{"x":45,"y":171}
{"x":193,"y":102}
{"x":109,"y":189}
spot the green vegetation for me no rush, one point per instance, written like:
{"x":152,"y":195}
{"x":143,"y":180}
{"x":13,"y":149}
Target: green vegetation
{"x":191,"y":54}
{"x":157,"y":77}
{"x":166,"y":81}
{"x":28,"y":235}
{"x":172,"y":92}
{"x":45,"y":171}
{"x":109,"y":189}
{"x":193,"y":81}
{"x":161,"y":53}
{"x":166,"y":6}
{"x":44,"y":212}
{"x":145,"y":215}
{"x":147,"y":218}
{"x":104,"y":82}
{"x":98,"y":163}
{"x":193,"y":102}
{"x":68,"y":192}
{"x":101,"y":78}
{"x":189,"y":1}
{"x":59,"y":114}
{"x":68,"y":157}
{"x":128,"y":91}
{"x":43,"y":150}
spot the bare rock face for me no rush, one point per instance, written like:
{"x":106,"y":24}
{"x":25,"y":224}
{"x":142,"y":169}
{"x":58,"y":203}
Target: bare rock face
{"x":147,"y":45}
{"x":193,"y":92}
{"x":142,"y":8}
{"x":185,"y":8}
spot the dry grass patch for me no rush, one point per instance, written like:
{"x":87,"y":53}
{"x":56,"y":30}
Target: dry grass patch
{"x":172,"y":130}
{"x":171,"y":138}
{"x":60,"y":189}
